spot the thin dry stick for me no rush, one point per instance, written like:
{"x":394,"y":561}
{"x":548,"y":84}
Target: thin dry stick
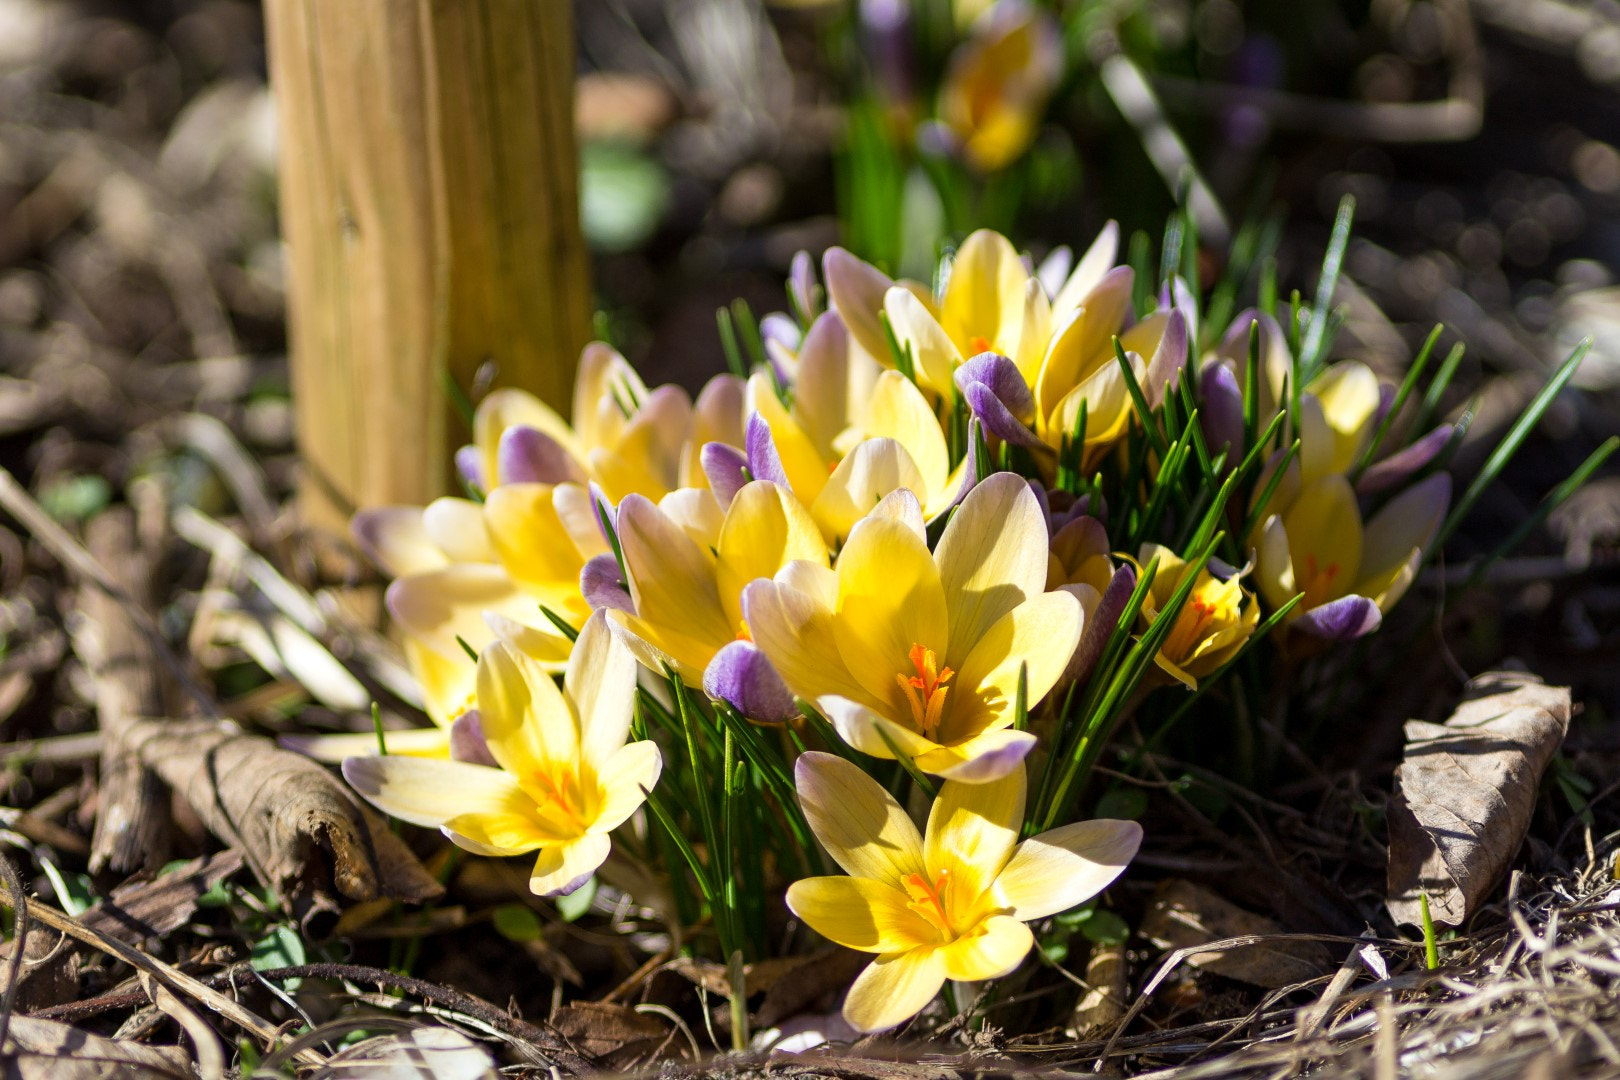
{"x":169,"y":975}
{"x":19,"y":939}
{"x":14,"y":498}
{"x":130,"y":827}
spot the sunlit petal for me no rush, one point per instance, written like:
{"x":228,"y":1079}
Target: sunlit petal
{"x":859,"y":913}
{"x":894,"y":988}
{"x":1053,"y":871}
{"x":859,"y":823}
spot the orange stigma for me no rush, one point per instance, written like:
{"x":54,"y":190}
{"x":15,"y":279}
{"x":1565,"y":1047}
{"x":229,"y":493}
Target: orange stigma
{"x":1318,"y":583}
{"x":928,"y":900}
{"x":560,"y":788}
{"x":977,"y":344}
{"x":926,"y":690}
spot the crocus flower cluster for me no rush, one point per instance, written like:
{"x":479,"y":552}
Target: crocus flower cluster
{"x":902,"y":535}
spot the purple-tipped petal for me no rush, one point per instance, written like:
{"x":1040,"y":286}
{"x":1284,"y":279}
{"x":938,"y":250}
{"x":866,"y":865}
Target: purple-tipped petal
{"x":727,"y":470}
{"x":1386,"y":401}
{"x":803,"y":288}
{"x":1222,"y":414}
{"x":970,"y":470}
{"x":528,"y":455}
{"x":1395,"y":469}
{"x":999,"y":397}
{"x":603,"y":586}
{"x":470,"y":466}
{"x":1168,"y":359}
{"x":467,"y":741}
{"x":740,"y":676}
{"x":1177,"y":294}
{"x":997,"y":419}
{"x":764,"y":463}
{"x":996,"y":762}
{"x":1100,"y":627}
{"x":602,"y":508}
{"x":1344,"y":619}
{"x":1054,"y":269}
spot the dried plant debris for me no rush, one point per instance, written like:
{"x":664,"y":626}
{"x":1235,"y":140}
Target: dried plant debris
{"x":1465,"y":791}
{"x":299,"y":828}
{"x":1185,"y":915}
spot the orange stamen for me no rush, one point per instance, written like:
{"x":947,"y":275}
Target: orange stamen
{"x":554,"y":783}
{"x":925,"y":691}
{"x":977,"y":344}
{"x":1318,"y":583}
{"x":928,"y":900}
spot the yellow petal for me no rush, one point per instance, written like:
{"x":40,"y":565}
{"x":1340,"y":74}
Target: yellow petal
{"x":447,"y":682}
{"x":995,"y":947}
{"x":821,"y":393}
{"x":1053,"y":871}
{"x":526,"y":722}
{"x":1325,"y":539}
{"x":889,"y":599}
{"x":859,"y":913}
{"x":1082,"y":340}
{"x":859,"y":823}
{"x":672,"y":580}
{"x":577,"y":513}
{"x":867,"y":474}
{"x":500,"y":834}
{"x":1408,"y":521}
{"x":871,"y":732}
{"x":972,"y":829}
{"x":606,"y":390}
{"x":697,"y":512}
{"x":899,"y":411}
{"x":509,"y":407}
{"x":430,"y":742}
{"x":806,"y":469}
{"x":985,"y":295}
{"x":1274,"y":566}
{"x":456,"y":527}
{"x":894,"y":988}
{"x":600,"y":683}
{"x":985,"y":757}
{"x":1349,"y":395}
{"x":1034,"y":333}
{"x":765,"y":529}
{"x":717,"y":416}
{"x":627,"y":775}
{"x":441,"y":605}
{"x":991,"y":558}
{"x":395,"y":539}
{"x":562,"y":868}
{"x":645,"y":458}
{"x":934,"y":355}
{"x":798,"y":634}
{"x":528,"y":536}
{"x":429,"y":792}
{"x":1040,"y":634}
{"x":1089,"y":271}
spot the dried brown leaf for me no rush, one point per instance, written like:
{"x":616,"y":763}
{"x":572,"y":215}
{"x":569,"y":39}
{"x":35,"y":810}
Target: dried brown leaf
{"x":1465,"y":791}
{"x":1185,"y":915}
{"x":143,"y":910}
{"x":299,"y":828}
{"x":615,"y":1035}
{"x":45,"y":1050}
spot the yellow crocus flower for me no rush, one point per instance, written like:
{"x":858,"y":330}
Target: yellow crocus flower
{"x":951,"y":903}
{"x":1211,"y":626}
{"x":998,"y":82}
{"x":564,"y":777}
{"x":686,"y":597}
{"x":918,"y":653}
{"x":1349,"y":573}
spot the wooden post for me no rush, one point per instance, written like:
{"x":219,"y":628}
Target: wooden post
{"x":430,"y":209}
